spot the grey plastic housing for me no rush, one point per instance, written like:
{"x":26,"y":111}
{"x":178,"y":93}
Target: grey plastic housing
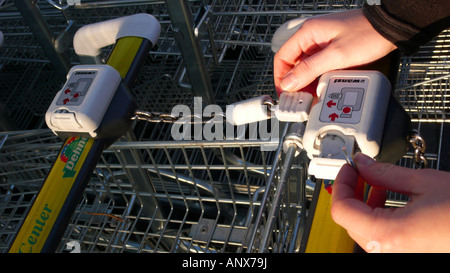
{"x":352,"y":107}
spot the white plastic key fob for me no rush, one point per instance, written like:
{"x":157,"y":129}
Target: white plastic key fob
{"x":293,"y":106}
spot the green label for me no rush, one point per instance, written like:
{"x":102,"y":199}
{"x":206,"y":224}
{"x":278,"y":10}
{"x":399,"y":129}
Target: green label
{"x":71,"y":154}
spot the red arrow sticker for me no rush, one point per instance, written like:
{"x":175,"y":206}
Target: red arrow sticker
{"x":67,"y":91}
{"x":66,"y":100}
{"x":331,"y":103}
{"x":333,"y":116}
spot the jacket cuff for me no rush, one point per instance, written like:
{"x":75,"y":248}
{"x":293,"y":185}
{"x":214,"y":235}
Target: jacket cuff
{"x":407,"y":38}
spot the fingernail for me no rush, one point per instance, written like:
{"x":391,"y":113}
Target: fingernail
{"x":362,"y":159}
{"x":289,"y":82}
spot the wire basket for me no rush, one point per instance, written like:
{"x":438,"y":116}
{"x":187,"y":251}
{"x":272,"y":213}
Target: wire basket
{"x":161,"y":196}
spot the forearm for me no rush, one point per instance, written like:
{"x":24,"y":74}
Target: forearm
{"x":409,"y":23}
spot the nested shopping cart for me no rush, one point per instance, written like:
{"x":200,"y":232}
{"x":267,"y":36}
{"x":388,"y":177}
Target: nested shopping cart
{"x":150,"y":193}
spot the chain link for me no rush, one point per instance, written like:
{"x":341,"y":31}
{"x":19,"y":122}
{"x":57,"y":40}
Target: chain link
{"x":154,"y":117}
{"x":157,"y":117}
{"x":419,"y":146}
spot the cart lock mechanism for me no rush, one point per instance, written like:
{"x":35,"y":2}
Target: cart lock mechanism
{"x":92,"y":110}
{"x":352,"y":109}
{"x":81,"y":107}
{"x":349,"y":111}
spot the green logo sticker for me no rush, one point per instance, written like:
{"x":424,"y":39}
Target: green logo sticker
{"x":71,"y":153}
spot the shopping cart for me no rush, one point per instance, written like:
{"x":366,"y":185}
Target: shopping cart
{"x":150,"y":193}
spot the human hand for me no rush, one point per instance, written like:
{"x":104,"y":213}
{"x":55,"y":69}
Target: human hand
{"x":421,"y":226}
{"x":325,"y":43}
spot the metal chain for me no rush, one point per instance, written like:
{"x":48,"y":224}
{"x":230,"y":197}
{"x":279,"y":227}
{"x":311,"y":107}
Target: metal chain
{"x":154,"y":117}
{"x":192,"y":119}
{"x":419,"y":146}
{"x":157,"y":117}
{"x":416,"y":139}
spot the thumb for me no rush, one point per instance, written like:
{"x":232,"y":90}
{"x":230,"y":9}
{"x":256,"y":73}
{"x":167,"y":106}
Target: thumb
{"x":388,"y":176}
{"x":360,"y":219}
{"x":311,"y":67}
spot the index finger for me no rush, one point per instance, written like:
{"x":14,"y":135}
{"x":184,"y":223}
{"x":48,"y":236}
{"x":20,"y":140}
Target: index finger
{"x":291,"y":53}
{"x":281,"y":67}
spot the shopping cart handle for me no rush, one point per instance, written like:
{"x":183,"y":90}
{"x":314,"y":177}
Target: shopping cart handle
{"x":89,"y":39}
{"x":45,"y":223}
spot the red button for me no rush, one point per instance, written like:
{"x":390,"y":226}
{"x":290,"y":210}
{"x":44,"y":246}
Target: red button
{"x":347,"y":110}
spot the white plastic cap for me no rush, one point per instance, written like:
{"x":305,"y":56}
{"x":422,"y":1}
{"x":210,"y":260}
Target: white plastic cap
{"x":89,"y":39}
{"x":248,"y":111}
{"x":325,"y":168}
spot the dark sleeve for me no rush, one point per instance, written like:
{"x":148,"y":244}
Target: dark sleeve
{"x":409,"y":23}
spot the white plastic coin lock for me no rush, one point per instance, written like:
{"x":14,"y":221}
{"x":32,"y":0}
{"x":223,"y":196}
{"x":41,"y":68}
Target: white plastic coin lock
{"x":350,"y":113}
{"x":80,"y":105}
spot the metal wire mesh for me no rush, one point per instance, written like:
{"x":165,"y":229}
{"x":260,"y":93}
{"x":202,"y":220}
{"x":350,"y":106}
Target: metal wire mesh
{"x":204,"y":205}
